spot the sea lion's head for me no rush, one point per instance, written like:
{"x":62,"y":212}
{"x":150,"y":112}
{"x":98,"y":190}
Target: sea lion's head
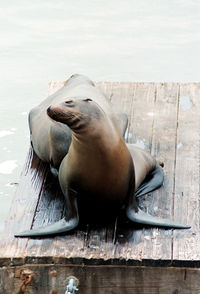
{"x":77,"y":113}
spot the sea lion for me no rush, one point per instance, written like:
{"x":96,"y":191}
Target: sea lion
{"x":100,"y":169}
{"x":50,"y":139}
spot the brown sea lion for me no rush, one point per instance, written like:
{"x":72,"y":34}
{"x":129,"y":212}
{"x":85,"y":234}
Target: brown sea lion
{"x":51,"y":139}
{"x":100,"y":169}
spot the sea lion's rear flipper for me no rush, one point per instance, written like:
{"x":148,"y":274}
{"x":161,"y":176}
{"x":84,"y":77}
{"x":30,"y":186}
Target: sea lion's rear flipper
{"x":66,"y":224}
{"x":135,"y":214}
{"x":61,"y":226}
{"x":141,"y":217}
{"x":153,"y":181}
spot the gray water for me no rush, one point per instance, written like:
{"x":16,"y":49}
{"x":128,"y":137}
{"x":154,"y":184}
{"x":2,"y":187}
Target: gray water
{"x":110,"y":40}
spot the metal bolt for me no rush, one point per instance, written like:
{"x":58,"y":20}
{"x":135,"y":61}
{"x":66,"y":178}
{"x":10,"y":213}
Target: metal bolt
{"x":72,"y":283}
{"x":53,"y":273}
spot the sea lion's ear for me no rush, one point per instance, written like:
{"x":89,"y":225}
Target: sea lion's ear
{"x":87,"y":99}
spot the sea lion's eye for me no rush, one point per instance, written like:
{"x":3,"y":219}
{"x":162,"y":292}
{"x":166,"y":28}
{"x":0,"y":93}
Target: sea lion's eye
{"x":68,"y":101}
{"x":87,"y":100}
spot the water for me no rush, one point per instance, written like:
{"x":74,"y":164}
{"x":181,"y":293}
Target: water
{"x":106,"y":40}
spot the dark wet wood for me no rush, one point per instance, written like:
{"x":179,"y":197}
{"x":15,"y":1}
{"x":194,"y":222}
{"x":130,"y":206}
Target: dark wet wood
{"x":164,"y":118}
{"x":51,"y":279}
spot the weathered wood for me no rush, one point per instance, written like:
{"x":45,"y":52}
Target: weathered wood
{"x":186,"y":245}
{"x":131,"y":241}
{"x":163,"y":147}
{"x":161,"y":123}
{"x":24,"y":206}
{"x":51,"y":278}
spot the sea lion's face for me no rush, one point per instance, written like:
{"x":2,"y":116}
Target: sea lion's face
{"x":76,"y":113}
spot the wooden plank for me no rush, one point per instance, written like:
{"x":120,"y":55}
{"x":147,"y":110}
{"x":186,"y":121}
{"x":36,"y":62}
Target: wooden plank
{"x":157,"y":245}
{"x":187,"y":189}
{"x":141,"y":118}
{"x":130,"y":241}
{"x":22,"y":212}
{"x":101,"y":279}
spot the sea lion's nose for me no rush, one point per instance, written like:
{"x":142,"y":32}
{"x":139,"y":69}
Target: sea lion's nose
{"x":48,"y":109}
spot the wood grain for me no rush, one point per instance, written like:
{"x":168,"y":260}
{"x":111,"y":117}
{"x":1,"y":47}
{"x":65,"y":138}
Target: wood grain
{"x":102,"y":279}
{"x":187,"y":180}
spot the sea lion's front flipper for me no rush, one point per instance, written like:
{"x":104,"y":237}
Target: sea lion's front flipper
{"x":54,"y":171}
{"x":152,"y":182}
{"x":66,"y":224}
{"x":135,"y":214}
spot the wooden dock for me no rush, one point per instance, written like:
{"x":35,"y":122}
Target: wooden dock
{"x":117,"y":257}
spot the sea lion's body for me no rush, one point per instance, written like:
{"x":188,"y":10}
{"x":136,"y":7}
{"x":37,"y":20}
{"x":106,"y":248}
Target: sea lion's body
{"x":100,"y":168}
{"x":50,"y":139}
